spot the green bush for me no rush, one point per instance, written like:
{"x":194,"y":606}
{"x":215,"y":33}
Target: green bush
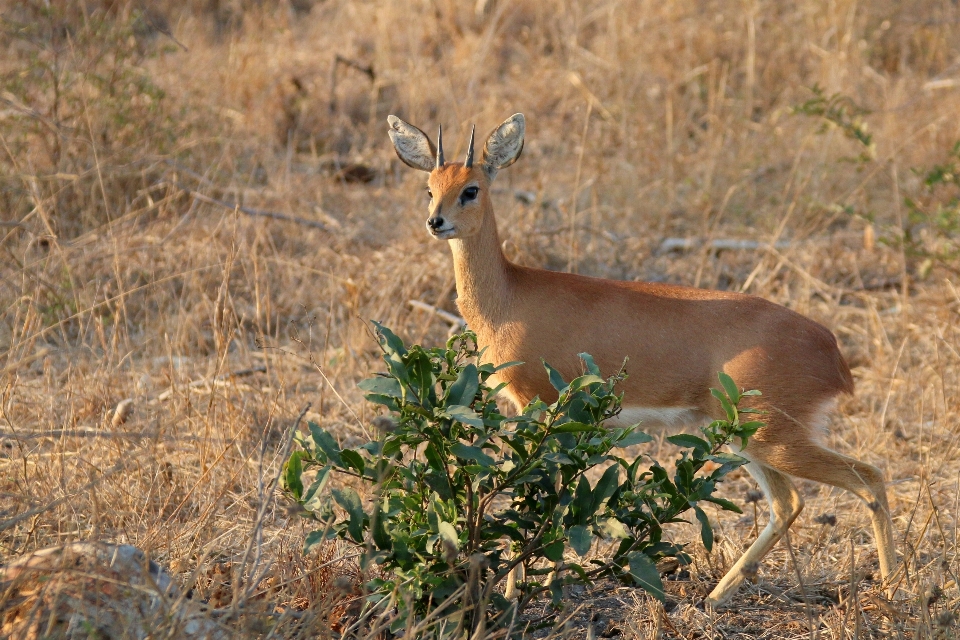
{"x":842,"y":112}
{"x":453,"y":478}
{"x":931,"y":233}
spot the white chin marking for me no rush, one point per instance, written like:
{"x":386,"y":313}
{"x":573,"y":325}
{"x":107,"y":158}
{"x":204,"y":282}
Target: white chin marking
{"x":650,"y":417}
{"x":445,"y":234}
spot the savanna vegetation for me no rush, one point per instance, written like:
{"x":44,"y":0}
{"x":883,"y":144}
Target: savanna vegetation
{"x":201,"y":214}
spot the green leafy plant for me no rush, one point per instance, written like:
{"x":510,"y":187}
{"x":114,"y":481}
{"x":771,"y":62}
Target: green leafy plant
{"x":931,"y":233}
{"x":842,"y":112}
{"x":453,"y":479}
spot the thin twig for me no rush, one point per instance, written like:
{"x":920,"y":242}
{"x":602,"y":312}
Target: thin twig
{"x":338,"y":60}
{"x":814,"y":630}
{"x":717,"y":244}
{"x":260,"y":213}
{"x":316,"y":365}
{"x":456,"y":322}
{"x":147,"y":17}
{"x":220,"y":378}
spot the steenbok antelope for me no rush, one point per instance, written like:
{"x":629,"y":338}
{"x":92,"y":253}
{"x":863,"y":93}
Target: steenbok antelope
{"x":676,"y":338}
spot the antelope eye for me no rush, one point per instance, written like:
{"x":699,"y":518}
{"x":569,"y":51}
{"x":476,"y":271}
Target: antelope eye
{"x":429,"y":193}
{"x":470,"y":193}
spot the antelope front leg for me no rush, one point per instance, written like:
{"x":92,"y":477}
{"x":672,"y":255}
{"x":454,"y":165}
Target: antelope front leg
{"x":785,"y":506}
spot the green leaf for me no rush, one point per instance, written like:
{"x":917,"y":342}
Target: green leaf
{"x":747,"y":430}
{"x":438,"y":482}
{"x":699,"y":445}
{"x":466,"y":415}
{"x":492,"y":393}
{"x":389,"y":341}
{"x":434,"y":458}
{"x":575,"y":427}
{"x":723,"y":503}
{"x":449,"y":533}
{"x":325,"y":443}
{"x":554,"y":551}
{"x":613,"y":528}
{"x":464,"y":390}
{"x":391,"y":446}
{"x":557,"y":458}
{"x":517,"y":444}
{"x":730,"y":386}
{"x":313,"y":539}
{"x":645,"y":574}
{"x":637,"y":437}
{"x":555,"y":378}
{"x":583,"y":501}
{"x":420,"y":370}
{"x":706,"y":531}
{"x":581,"y":539}
{"x":292,"y":471}
{"x":592,"y":367}
{"x":728,"y":408}
{"x":556,"y":593}
{"x":380,"y":536}
{"x":586,"y":380}
{"x":728,"y":462}
{"x":381,"y":386}
{"x":350,"y":501}
{"x":471,"y":453}
{"x":311,"y":498}
{"x":353,"y":459}
{"x":433,"y":518}
{"x":606,"y":486}
{"x":392,"y":404}
{"x":567,"y":441}
{"x":580,"y":571}
{"x":507,"y":365}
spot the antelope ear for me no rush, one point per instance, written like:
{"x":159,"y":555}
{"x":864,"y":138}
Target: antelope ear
{"x":504,"y":145}
{"x":412,"y":145}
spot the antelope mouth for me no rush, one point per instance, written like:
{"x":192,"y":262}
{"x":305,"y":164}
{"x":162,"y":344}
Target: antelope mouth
{"x":443,"y":234}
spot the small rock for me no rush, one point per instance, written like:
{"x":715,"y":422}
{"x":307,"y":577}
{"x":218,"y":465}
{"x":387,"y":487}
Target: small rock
{"x":122,"y":412}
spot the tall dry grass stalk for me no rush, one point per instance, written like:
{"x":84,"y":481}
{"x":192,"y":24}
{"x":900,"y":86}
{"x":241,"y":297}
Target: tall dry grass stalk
{"x":124,"y":124}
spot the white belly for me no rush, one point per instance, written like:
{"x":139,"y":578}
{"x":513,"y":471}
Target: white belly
{"x":658,"y":417}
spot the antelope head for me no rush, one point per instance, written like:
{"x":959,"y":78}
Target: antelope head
{"x":459,"y":192}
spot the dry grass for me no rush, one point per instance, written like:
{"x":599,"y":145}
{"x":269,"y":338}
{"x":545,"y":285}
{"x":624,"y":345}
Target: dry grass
{"x":645,"y":121}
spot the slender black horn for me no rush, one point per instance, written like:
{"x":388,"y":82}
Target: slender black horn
{"x":440,"y":147}
{"x":469,"y":161}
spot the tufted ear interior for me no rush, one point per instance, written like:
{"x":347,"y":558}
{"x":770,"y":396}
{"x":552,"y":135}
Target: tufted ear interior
{"x":504,"y":145}
{"x":412,"y":145}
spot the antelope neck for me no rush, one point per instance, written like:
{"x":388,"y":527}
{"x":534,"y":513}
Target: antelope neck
{"x":483,"y":276}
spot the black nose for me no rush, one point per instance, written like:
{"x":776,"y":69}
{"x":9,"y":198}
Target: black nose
{"x":435,"y":223}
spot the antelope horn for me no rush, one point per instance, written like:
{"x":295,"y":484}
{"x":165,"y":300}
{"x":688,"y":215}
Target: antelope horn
{"x":469,"y":161}
{"x":440,"y":147}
